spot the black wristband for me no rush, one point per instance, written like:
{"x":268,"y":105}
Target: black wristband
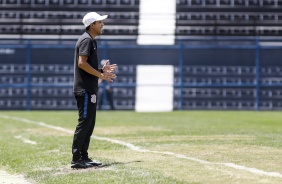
{"x":101,"y":70}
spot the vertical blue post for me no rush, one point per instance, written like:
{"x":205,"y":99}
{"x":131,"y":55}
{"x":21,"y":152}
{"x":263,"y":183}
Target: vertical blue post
{"x":104,"y":83}
{"x":181,"y":48}
{"x":257,"y":74}
{"x":105,"y":51}
{"x":28,"y":86}
{"x":104,"y":95}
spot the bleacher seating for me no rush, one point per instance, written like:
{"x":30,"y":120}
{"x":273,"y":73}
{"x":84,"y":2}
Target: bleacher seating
{"x":47,"y":3}
{"x":228,"y":3}
{"x":216,"y":105}
{"x":51,"y":87}
{"x":219,"y":87}
{"x":209,"y":87}
{"x":63,"y":17}
{"x":193,"y":17}
{"x":229,"y":17}
{"x":226,"y":87}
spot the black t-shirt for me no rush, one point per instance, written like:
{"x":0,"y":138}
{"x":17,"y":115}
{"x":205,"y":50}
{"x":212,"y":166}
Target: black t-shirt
{"x":83,"y":81}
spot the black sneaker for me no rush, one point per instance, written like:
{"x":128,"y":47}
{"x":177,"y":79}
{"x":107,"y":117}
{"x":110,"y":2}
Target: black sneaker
{"x":91,"y":162}
{"x":80,"y":164}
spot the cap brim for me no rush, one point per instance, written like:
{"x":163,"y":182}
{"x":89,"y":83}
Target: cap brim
{"x":102,"y":17}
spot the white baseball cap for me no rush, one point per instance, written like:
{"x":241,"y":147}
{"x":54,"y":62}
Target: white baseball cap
{"x":92,"y":17}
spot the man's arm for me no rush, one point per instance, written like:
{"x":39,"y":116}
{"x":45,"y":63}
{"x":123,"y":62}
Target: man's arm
{"x":82,"y":63}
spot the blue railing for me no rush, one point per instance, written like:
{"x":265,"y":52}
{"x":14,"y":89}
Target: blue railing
{"x":181,"y":46}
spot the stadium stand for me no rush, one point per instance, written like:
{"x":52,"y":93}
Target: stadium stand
{"x":229,"y":17}
{"x":63,"y":17}
{"x":193,"y":17}
{"x":222,"y":87}
{"x":200,"y":83}
{"x":204,"y":87}
{"x":51,"y":87}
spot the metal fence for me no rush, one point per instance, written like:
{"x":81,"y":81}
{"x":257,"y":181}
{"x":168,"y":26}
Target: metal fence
{"x":30,"y":85}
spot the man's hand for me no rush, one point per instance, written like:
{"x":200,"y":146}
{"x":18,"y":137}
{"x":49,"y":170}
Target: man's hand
{"x":109,"y":68}
{"x":108,"y":76}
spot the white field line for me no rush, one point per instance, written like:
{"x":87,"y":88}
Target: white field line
{"x":138,"y":149}
{"x":25,"y":140}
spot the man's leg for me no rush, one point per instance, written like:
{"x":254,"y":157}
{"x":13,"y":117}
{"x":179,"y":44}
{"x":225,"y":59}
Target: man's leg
{"x":92,"y":105}
{"x":82,"y":129}
{"x":85,"y":146}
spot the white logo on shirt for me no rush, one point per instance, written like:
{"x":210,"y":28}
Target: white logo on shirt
{"x":93,"y":98}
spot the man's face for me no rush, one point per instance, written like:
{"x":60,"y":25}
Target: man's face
{"x":97,"y":27}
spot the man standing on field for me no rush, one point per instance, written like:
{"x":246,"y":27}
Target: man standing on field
{"x":85,"y":88}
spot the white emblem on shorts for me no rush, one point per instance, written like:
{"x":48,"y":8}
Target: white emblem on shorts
{"x":93,"y":98}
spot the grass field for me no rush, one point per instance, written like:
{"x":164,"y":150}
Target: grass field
{"x":178,"y":147}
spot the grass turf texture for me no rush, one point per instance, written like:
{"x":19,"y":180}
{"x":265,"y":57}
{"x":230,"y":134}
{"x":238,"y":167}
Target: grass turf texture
{"x":251,"y":139}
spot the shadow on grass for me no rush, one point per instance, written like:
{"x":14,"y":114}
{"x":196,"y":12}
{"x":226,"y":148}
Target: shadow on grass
{"x":107,"y":166}
{"x":116,"y":163}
